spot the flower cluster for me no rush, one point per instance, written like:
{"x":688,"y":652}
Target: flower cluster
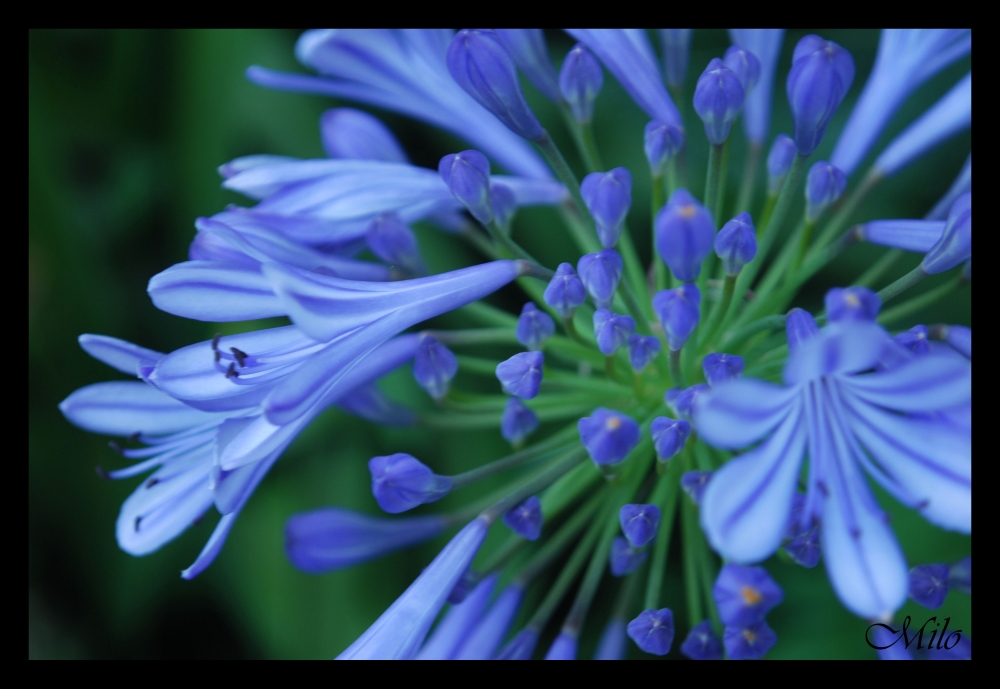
{"x":686,"y":399}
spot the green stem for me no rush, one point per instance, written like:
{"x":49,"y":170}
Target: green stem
{"x":671,"y":175}
{"x":839,"y":221}
{"x":665,"y":496}
{"x":902,"y":284}
{"x":712,"y":180}
{"x":878,"y":269}
{"x":689,"y":524}
{"x":592,"y":577}
{"x":721,"y":307}
{"x":512,"y":247}
{"x":564,"y":174}
{"x":534,"y":485}
{"x":919,"y":302}
{"x":765,"y":215}
{"x":736,"y":340}
{"x":474,"y":336}
{"x":675,"y":368}
{"x":708,"y":571}
{"x":805,"y":236}
{"x":550,"y":445}
{"x":591,"y":156}
{"x":749,"y":178}
{"x":555,"y":545}
{"x":658,"y":201}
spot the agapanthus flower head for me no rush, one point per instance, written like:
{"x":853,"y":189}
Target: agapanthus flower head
{"x":960,"y":576}
{"x":678,"y":313}
{"x":456,"y":624}
{"x":661,"y":142}
{"x":852,"y":304}
{"x":824,"y":185}
{"x":929,"y":585}
{"x":521,"y":375}
{"x":702,"y":643}
{"x":744,"y":595}
{"x":718,"y":98}
{"x":563,"y":648}
{"x":822,"y":73}
{"x":608,"y":196}
{"x":682,"y":400}
{"x":653,"y":631}
{"x":669,"y":436}
{"x":639,"y":523}
{"x":765,"y":44}
{"x":480,"y":64}
{"x":352,"y":133}
{"x":676,"y":50}
{"x":534,"y":327}
{"x":434,"y":366}
{"x":392,"y":240}
{"x":720,"y":367}
{"x":517,"y":422}
{"x":612,"y":330}
{"x":330,"y":538}
{"x":526,"y":519}
{"x":694,"y":482}
{"x":624,"y":559}
{"x":684,"y":234}
{"x":401,"y":629}
{"x":467,"y":175}
{"x":955,"y":245}
{"x":600,"y":273}
{"x":580,"y":80}
{"x":400,"y":482}
{"x":745,"y":65}
{"x":642,"y":349}
{"x":749,"y":643}
{"x":779,"y":162}
{"x":531,"y":55}
{"x":608,"y":435}
{"x":565,"y":291}
{"x":736,"y":243}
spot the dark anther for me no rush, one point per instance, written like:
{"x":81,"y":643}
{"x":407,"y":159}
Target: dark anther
{"x":218,"y":355}
{"x":215,"y":342}
{"x":197,"y":520}
{"x":856,"y":533}
{"x":135,"y":436}
{"x":823,"y":489}
{"x":152,"y":482}
{"x":116,"y":447}
{"x":231,"y":371}
{"x":102,"y":472}
{"x":137,"y":520}
{"x":240,"y":356}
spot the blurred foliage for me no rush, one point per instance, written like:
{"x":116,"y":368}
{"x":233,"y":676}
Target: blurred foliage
{"x":125,"y":131}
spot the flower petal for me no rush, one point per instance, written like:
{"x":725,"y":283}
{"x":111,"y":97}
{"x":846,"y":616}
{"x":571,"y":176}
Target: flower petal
{"x":126,"y":407}
{"x":927,"y":383}
{"x":844,"y":347}
{"x":118,"y":354}
{"x":739,"y":412}
{"x":214,"y":291}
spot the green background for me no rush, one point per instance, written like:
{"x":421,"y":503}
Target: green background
{"x":125,"y":131}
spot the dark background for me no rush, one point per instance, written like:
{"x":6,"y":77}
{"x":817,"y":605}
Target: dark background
{"x":125,"y":131}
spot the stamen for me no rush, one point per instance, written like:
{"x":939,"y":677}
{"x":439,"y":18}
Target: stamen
{"x":137,"y":520}
{"x":240,"y":356}
{"x":152,"y":482}
{"x":751,"y":596}
{"x":135,"y":436}
{"x":215,"y":343}
{"x":231,"y":371}
{"x":116,"y":447}
{"x":102,"y":472}
{"x":218,"y":355}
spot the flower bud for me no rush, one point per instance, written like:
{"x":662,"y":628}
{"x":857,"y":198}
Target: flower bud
{"x":482,"y":67}
{"x":960,"y":576}
{"x":960,"y":339}
{"x":639,"y":523}
{"x":914,"y":339}
{"x":517,"y":422}
{"x":565,"y":291}
{"x":805,"y":549}
{"x":736,"y":244}
{"x":662,"y":142}
{"x":744,"y":595}
{"x":824,"y":185}
{"x":642,"y":349}
{"x":534,"y":327}
{"x":392,"y":240}
{"x":722,"y":367}
{"x":600,"y":273}
{"x":608,"y":196}
{"x":624,"y":559}
{"x":354,"y":134}
{"x":611,"y":330}
{"x":749,"y":643}
{"x":653,"y":631}
{"x":434,"y":366}
{"x":608,"y":435}
{"x":702,"y":643}
{"x":467,"y":175}
{"x":684,"y":234}
{"x":677,"y":310}
{"x":955,"y":245}
{"x":563,"y":648}
{"x":580,"y":80}
{"x":779,"y":162}
{"x":744,"y":65}
{"x":526,"y":519}
{"x":682,"y":400}
{"x":694,"y":484}
{"x":504,"y":204}
{"x":400,"y":482}
{"x":521,"y":374}
{"x":718,"y":98}
{"x":929,"y":585}
{"x":669,"y":436}
{"x":799,"y":327}
{"x":821,"y":74}
{"x":528,"y":50}
{"x":676,"y":50}
{"x":852,"y":304}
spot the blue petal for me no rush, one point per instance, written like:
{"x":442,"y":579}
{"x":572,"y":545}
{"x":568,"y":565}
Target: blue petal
{"x":483,"y":641}
{"x":126,"y":407}
{"x":214,"y":291}
{"x":118,"y":354}
{"x":458,"y":622}
{"x":371,"y":404}
{"x":910,"y":235}
{"x":739,"y":412}
{"x":844,"y":347}
{"x":745,"y":508}
{"x":925,"y":384}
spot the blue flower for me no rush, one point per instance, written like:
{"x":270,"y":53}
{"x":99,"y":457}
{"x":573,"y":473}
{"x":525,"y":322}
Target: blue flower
{"x":563,"y":648}
{"x":702,"y":643}
{"x":608,"y":435}
{"x":669,"y":436}
{"x":517,"y":421}
{"x":642,"y":349}
{"x":676,"y":51}
{"x":625,"y":559}
{"x":612,"y":331}
{"x":639,"y":523}
{"x":929,"y":585}
{"x":749,"y":643}
{"x":695,"y":482}
{"x":434,"y":366}
{"x":850,"y":421}
{"x":600,"y":273}
{"x":684,"y":235}
{"x":534,"y":327}
{"x":945,"y":244}
{"x":722,"y":367}
{"x":608,"y":196}
{"x":765,"y":44}
{"x":354,"y":134}
{"x":528,"y":50}
{"x":736,"y":243}
{"x":653,"y":631}
{"x":467,"y":175}
{"x":745,"y":595}
{"x":521,"y":374}
{"x":401,"y":482}
{"x":661,"y":142}
{"x":779,"y":162}
{"x":824,"y":185}
{"x":718,"y":98}
{"x":526,"y":519}
{"x":677,"y":310}
{"x":451,"y":632}
{"x":565,"y":291}
{"x":482,"y":642}
{"x":580,"y":80}
{"x":822,"y":72}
